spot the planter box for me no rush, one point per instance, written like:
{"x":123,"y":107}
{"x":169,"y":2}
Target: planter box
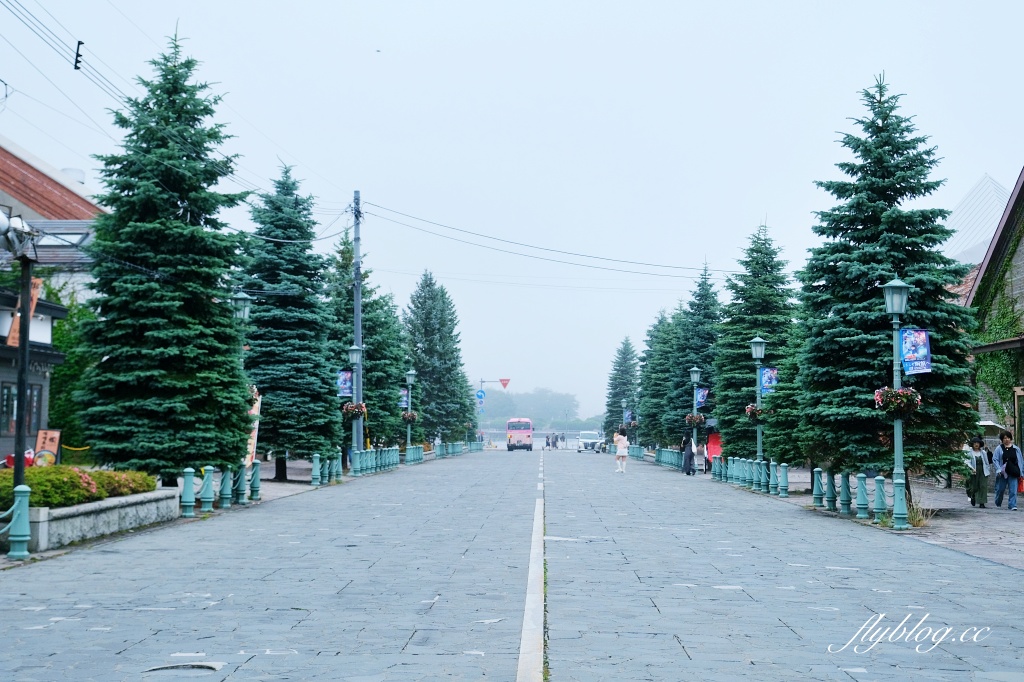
{"x":52,"y":528}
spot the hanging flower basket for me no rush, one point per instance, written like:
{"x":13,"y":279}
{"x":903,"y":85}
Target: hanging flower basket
{"x":354,"y":410}
{"x":695,"y":420}
{"x":898,"y":403}
{"x":754,"y":413}
{"x":634,"y":424}
{"x":410,"y":417}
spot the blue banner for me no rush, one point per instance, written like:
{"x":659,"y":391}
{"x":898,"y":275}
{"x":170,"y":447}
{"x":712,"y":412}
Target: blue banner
{"x":403,"y":398}
{"x":344,"y":383}
{"x":702,"y":396}
{"x":769,"y":377}
{"x":915,"y":351}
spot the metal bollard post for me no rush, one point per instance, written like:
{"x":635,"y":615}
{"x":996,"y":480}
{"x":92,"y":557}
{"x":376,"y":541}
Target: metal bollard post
{"x":239,"y":497}
{"x":816,"y":490}
{"x":844,"y":494}
{"x":880,"y":507}
{"x":325,"y":473}
{"x":862,"y":496}
{"x":315,"y":477}
{"x":752,"y":473}
{"x":206,"y":494}
{"x":254,"y":482}
{"x":764,"y":475}
{"x":773,"y":478}
{"x":225,"y":488}
{"x":188,"y":494}
{"x":20,"y":529}
{"x":830,"y":491}
{"x":783,"y":480}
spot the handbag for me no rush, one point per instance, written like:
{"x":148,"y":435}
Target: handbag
{"x":1020,"y":484}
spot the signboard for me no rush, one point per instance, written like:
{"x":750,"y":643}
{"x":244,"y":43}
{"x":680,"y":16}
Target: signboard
{"x":403,"y":398}
{"x":702,"y":396}
{"x":254,"y":412}
{"x":479,"y":402}
{"x":48,"y":439}
{"x":769,"y":377}
{"x":480,"y":395}
{"x":344,"y":383}
{"x":915,"y":351}
{"x":14,"y":335}
{"x":504,"y":383}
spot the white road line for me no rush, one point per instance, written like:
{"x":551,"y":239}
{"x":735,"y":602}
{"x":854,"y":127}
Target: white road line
{"x":531,"y":645}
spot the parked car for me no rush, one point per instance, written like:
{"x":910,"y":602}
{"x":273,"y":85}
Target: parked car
{"x":589,"y":440}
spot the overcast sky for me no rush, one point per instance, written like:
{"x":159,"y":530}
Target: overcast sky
{"x":654,"y":132}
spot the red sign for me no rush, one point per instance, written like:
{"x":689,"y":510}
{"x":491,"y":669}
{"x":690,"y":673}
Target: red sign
{"x":504,"y":383}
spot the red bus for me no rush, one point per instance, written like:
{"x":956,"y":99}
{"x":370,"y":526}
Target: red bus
{"x":519,"y":433}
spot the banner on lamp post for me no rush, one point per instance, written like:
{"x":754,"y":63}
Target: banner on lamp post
{"x":915,"y":351}
{"x":403,"y":398}
{"x":344,"y":384}
{"x":702,"y":396}
{"x":769,"y":377}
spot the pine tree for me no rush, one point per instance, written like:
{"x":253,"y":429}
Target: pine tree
{"x":870,"y":238}
{"x":167,"y":389}
{"x":384,"y":346}
{"x":443,"y":388}
{"x":785,"y":438}
{"x":287,"y":334}
{"x":64,"y":411}
{"x":656,"y":380}
{"x":623,"y":384}
{"x":697,"y":327}
{"x":761,"y":307}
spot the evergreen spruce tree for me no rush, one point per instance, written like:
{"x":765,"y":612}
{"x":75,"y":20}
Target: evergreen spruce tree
{"x":656,"y":380}
{"x":167,"y":388}
{"x":287,"y":334}
{"x":870,"y":238}
{"x":67,"y":338}
{"x":623,"y":384}
{"x":697,"y":327}
{"x":385,"y":360}
{"x":443,"y":391}
{"x":785,"y":438}
{"x":761,"y":307}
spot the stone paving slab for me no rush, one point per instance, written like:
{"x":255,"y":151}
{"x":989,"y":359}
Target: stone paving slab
{"x":416,"y":574}
{"x":653,"y":575}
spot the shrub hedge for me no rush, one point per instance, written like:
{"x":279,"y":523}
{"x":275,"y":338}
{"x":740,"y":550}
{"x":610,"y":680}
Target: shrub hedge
{"x":64,"y":486}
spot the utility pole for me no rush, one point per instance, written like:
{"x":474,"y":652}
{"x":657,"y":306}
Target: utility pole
{"x":357,"y":288}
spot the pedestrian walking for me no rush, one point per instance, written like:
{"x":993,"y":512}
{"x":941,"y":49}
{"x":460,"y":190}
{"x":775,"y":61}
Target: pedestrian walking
{"x":554,"y":441}
{"x":1008,"y":462}
{"x":547,"y":442}
{"x":687,"y":448}
{"x":977,"y":484}
{"x":621,"y":450}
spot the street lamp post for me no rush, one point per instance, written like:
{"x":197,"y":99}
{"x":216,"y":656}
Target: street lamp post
{"x":625,"y":423}
{"x":241,"y":303}
{"x":17,"y":238}
{"x":757,"y":345}
{"x":355,"y":357}
{"x":410,"y":379}
{"x":695,"y":379}
{"x":896,"y":295}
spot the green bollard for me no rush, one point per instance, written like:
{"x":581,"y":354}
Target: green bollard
{"x":880,"y":507}
{"x":206,"y":494}
{"x":830,"y":491}
{"x":332,"y":472}
{"x":188,"y":494}
{"x":254,"y":482}
{"x":714,"y":468}
{"x":225,"y":488}
{"x":752,"y":474}
{"x":20,"y":530}
{"x":325,"y":472}
{"x":239,"y":497}
{"x":816,"y":490}
{"x":315,"y":476}
{"x":862,"y":496}
{"x":764,"y":475}
{"x":773,"y":478}
{"x":783,"y":480}
{"x":844,"y":494}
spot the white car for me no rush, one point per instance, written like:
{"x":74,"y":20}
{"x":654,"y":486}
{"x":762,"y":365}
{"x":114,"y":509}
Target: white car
{"x":589,"y":440}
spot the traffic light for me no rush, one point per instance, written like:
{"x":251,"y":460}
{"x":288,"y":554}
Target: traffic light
{"x":78,"y":56}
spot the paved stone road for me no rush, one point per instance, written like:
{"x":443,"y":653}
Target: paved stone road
{"x":421,"y":574}
{"x":653,"y":575}
{"x":418,"y":574}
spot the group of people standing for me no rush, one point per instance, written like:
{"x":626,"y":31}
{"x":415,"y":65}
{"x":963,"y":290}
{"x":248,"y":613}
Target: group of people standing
{"x":1006,"y":463}
{"x":686,"y":447}
{"x":553,"y":440}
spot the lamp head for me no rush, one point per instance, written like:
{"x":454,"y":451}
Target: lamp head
{"x":896,"y":295}
{"x":355,"y":355}
{"x":241,"y":302}
{"x":695,"y":375}
{"x":623,"y":403}
{"x":410,"y":377}
{"x":757,"y":345}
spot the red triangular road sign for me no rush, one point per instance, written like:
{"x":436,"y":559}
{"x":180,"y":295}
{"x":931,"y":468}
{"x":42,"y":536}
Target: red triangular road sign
{"x":504,"y":383}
